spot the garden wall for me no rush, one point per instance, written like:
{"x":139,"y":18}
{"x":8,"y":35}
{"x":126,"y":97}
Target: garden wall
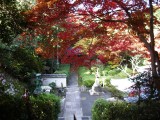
{"x":59,"y":79}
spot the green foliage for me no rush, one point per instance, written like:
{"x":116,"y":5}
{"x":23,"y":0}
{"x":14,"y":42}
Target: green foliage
{"x":115,"y":92}
{"x":109,"y":87}
{"x":108,"y":78}
{"x":82,"y":70}
{"x":88,"y":83}
{"x":45,"y":107}
{"x":157,"y":15}
{"x":63,"y":69}
{"x":104,"y":110}
{"x":49,"y":66}
{"x":52,"y":85}
{"x":11,"y":21}
{"x":15,"y":60}
{"x":129,"y":70}
{"x":113,"y":72}
{"x":26,"y":5}
{"x":86,"y":77}
{"x":120,"y":75}
{"x":12,"y":108}
{"x":116,"y":73}
{"x":21,"y":63}
{"x":42,"y":107}
{"x":100,"y":111}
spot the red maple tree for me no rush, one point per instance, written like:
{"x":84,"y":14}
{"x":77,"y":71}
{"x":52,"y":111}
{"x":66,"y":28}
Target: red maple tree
{"x":116,"y":24}
{"x":136,"y":16}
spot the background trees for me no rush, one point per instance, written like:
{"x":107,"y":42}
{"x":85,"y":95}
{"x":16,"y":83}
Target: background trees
{"x":15,"y":59}
{"x":12,"y":22}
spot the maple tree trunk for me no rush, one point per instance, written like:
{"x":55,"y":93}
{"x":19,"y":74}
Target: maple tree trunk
{"x":158,"y":62}
{"x":154,"y":57}
{"x":157,"y":78}
{"x":52,"y":62}
{"x":151,"y":48}
{"x":153,"y":65}
{"x":152,"y":43}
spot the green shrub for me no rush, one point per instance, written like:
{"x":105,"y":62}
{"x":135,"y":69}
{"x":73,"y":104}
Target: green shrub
{"x":113,"y":72}
{"x":129,"y":71}
{"x":115,"y":92}
{"x":121,"y":75}
{"x":81,"y":70}
{"x":45,"y":107}
{"x":41,"y":107}
{"x":63,"y":69}
{"x":104,"y":110}
{"x":21,"y":63}
{"x":107,"y":68}
{"x":108,"y":78}
{"x":52,"y":85}
{"x":12,"y":108}
{"x":86,"y":78}
{"x":88,"y":83}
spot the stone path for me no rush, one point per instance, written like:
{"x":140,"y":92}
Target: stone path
{"x":72,"y":104}
{"x":78,"y":103}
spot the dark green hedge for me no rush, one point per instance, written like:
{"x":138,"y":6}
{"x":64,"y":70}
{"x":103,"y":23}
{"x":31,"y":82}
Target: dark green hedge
{"x":104,"y":110}
{"x":42,"y":107}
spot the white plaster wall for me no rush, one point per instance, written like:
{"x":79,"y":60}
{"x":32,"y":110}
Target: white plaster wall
{"x":58,"y":81}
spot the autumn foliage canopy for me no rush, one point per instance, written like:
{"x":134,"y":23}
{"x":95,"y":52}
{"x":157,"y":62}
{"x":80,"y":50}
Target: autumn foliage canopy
{"x":80,"y":31}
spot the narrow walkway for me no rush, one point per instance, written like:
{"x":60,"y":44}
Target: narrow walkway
{"x":72,"y":105}
{"x":78,"y":103}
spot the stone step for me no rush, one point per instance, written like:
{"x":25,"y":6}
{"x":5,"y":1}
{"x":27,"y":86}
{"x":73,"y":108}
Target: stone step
{"x":72,"y":89}
{"x":61,"y":118}
{"x":78,"y":118}
{"x":86,"y":118}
